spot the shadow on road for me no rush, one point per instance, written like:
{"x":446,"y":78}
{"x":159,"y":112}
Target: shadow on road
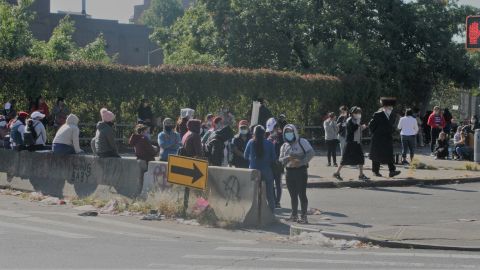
{"x":398,"y":191}
{"x":448,"y":188}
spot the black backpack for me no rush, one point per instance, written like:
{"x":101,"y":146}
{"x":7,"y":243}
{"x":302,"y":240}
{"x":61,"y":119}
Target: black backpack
{"x":30,"y":136}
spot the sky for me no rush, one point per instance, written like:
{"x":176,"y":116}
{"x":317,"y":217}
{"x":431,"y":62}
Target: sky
{"x":122,"y":10}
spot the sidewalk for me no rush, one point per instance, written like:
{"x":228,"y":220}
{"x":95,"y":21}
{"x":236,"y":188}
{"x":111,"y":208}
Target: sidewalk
{"x":445,"y":172}
{"x":422,"y":217}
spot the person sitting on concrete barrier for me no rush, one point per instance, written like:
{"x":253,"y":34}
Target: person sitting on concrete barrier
{"x":276,"y":137}
{"x":35,"y":136}
{"x":103,"y":145}
{"x":168,"y":140}
{"x":66,"y":141}
{"x":462,"y":150}
{"x":144,"y":150}
{"x":239,"y":143}
{"x":215,"y":146}
{"x":295,"y":154}
{"x":441,"y":150}
{"x":192,"y":142}
{"x":353,"y":154}
{"x":261,"y":154}
{"x":17,"y":130}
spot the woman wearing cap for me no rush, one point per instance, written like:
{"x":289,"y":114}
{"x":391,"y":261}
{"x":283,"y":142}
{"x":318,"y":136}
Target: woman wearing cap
{"x":36,"y":129}
{"x":331,"y":132}
{"x":66,"y":141}
{"x":103,"y":145}
{"x":168,"y":140}
{"x":239,"y":144}
{"x":261,"y":154}
{"x":42,"y":107}
{"x":353,"y":154}
{"x":382,"y":127}
{"x":276,"y":137}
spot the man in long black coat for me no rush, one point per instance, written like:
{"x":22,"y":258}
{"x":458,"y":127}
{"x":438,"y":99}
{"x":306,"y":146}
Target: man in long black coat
{"x":382,"y":128}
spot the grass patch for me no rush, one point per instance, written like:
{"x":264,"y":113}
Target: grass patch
{"x":89,"y":201}
{"x":416,"y":164}
{"x":472,"y":166}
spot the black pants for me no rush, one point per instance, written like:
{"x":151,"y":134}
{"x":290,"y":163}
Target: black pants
{"x":435,"y":132}
{"x":297,"y":187}
{"x":332,"y":151}
{"x":277,"y":191}
{"x":376,"y":167}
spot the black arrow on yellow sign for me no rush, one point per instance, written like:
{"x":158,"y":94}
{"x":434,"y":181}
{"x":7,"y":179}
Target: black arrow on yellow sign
{"x":195,"y":173}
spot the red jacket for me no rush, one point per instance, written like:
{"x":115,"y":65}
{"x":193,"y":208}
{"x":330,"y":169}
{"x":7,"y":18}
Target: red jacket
{"x":143,"y":149}
{"x":431,"y":121}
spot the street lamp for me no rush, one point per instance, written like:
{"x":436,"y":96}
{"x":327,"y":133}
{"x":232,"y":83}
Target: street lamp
{"x":150,"y":53}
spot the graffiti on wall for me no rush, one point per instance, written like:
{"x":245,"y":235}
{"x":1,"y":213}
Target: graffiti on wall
{"x":81,"y":171}
{"x":231,"y":189}
{"x":160,"y":178}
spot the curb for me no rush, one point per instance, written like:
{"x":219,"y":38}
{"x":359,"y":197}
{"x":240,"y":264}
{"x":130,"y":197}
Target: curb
{"x":296,"y":230}
{"x":391,"y":183}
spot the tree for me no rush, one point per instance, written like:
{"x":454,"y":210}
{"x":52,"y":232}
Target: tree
{"x":94,"y":52}
{"x":15,"y":35}
{"x":61,"y":45}
{"x":191,"y":40}
{"x":162,"y":13}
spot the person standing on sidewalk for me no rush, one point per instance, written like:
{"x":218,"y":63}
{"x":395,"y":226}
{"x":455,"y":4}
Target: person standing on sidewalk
{"x":261,"y":154}
{"x":382,"y":128}
{"x":331,"y":132}
{"x":436,"y":121}
{"x":239,"y":143}
{"x":342,"y":128}
{"x":276,"y":137}
{"x":409,"y":129}
{"x":353,"y":154}
{"x":295,"y":155}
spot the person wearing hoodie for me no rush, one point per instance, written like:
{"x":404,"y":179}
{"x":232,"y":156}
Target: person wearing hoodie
{"x":192,"y":142}
{"x":215,"y":145}
{"x":295,"y":155}
{"x":168,"y":140}
{"x":17,"y":131}
{"x":35,"y":136}
{"x":239,"y":143}
{"x":66,"y":141}
{"x":261,"y":154}
{"x":144,"y":150}
{"x":103,"y":145}
{"x":276,"y":137}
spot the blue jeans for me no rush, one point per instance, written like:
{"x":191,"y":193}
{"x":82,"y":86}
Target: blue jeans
{"x":63,"y":149}
{"x":270,"y":193}
{"x":464,"y":152}
{"x":408,"y":144}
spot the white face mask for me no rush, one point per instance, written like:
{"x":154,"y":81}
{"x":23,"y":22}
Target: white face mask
{"x":357,"y":116}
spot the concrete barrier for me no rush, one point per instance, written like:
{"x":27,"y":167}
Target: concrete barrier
{"x":71,"y":175}
{"x":235,"y":195}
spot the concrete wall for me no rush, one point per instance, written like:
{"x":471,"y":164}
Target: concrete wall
{"x":74,"y":175}
{"x":234,"y":194}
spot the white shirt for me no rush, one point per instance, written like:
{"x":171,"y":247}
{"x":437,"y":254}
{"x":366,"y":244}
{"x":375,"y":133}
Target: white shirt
{"x":408,"y":125}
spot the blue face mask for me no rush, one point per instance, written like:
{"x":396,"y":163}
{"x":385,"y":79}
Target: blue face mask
{"x":289,"y":136}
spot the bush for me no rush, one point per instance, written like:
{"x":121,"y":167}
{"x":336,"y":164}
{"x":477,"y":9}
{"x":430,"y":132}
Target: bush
{"x":90,"y":86}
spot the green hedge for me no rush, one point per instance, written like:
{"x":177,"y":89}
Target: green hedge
{"x":90,"y":86}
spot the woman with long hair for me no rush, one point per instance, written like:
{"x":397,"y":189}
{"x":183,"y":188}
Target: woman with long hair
{"x":261,"y":154}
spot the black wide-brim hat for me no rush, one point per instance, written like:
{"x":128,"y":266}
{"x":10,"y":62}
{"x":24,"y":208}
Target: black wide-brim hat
{"x":388,"y":101}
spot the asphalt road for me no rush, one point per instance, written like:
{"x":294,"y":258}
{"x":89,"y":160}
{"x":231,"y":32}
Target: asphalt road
{"x":37,"y":236}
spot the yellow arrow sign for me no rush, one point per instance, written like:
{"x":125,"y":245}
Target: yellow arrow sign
{"x":187,"y":172}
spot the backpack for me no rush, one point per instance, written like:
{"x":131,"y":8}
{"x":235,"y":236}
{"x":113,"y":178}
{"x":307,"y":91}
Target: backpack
{"x":30,"y":136}
{"x":16,"y":136}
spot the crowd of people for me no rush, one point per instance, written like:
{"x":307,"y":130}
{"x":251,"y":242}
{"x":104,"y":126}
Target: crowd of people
{"x":271,"y":145}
